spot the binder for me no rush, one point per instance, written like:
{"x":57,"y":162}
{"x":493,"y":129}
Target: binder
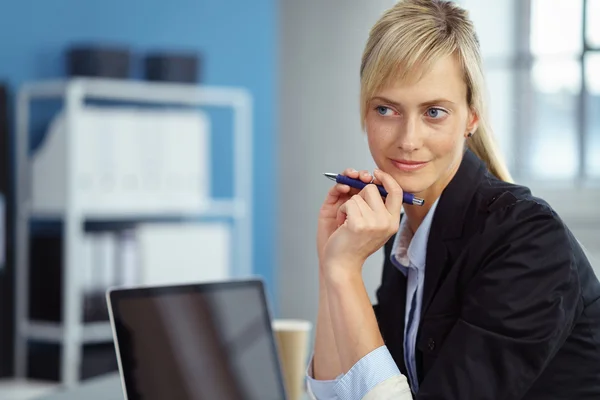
{"x":6,"y":253}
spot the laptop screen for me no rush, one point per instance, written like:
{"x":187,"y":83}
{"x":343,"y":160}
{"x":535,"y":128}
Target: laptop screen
{"x":206,"y":341}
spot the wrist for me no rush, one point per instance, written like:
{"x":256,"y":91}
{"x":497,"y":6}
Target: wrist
{"x":341,"y":273}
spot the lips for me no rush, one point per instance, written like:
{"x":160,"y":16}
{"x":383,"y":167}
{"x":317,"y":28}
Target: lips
{"x":409,"y":166}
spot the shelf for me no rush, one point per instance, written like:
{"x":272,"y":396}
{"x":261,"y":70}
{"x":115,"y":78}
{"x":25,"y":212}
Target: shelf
{"x":139,"y":91}
{"x":53,"y":332}
{"x":213,"y":209}
{"x":77,"y":212}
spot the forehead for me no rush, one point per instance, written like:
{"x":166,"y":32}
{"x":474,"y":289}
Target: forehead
{"x":444,"y":78}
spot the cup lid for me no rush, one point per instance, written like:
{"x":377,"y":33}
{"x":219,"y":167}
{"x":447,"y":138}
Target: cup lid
{"x":291,"y":324}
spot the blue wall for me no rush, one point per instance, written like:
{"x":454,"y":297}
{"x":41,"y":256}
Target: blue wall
{"x":237,"y":40}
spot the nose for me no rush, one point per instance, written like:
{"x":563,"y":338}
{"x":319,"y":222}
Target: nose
{"x":408,"y":137}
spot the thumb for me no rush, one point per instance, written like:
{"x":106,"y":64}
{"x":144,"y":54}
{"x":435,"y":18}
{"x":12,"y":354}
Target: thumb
{"x":341,"y":215}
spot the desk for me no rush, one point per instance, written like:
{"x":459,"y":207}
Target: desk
{"x":107,"y":387}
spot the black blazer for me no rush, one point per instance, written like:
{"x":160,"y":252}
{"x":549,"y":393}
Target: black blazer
{"x":511,"y":305}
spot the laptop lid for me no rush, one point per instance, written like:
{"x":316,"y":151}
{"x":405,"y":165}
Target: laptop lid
{"x":197,"y":341}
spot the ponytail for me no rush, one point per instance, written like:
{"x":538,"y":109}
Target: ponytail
{"x":482,"y":145}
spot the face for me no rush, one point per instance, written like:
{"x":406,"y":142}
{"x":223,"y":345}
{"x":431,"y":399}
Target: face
{"x":417,"y":130}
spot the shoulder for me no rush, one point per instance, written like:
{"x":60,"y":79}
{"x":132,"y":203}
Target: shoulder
{"x":520,"y":256}
{"x":500,"y":206}
{"x":512,"y":227}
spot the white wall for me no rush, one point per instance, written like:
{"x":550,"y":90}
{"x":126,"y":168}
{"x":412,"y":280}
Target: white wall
{"x":321,"y":48}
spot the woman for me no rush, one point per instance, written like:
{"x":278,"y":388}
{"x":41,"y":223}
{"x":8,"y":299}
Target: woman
{"x":485,"y":293}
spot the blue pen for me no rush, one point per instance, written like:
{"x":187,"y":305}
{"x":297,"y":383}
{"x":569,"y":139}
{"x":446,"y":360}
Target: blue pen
{"x":407,"y":198}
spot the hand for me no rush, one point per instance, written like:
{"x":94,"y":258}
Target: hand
{"x":336,"y":196}
{"x":363,"y":222}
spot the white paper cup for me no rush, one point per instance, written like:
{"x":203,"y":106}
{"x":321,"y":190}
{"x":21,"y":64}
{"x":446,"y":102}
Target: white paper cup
{"x":292,"y":336}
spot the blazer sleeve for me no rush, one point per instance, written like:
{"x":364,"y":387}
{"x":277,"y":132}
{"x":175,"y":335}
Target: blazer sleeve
{"x":517,"y":309}
{"x":387,"y":251}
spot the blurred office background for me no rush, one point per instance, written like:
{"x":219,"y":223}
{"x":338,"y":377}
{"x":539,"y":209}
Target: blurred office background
{"x":272,"y":96}
{"x":180,"y":215}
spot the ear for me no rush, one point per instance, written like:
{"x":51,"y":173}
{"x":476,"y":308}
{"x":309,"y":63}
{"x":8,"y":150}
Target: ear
{"x":473,"y":123}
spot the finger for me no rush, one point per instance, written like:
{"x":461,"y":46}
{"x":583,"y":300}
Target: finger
{"x":373,"y":198}
{"x":351,"y":173}
{"x":336,"y":192}
{"x":365,"y":210}
{"x":365,"y":176}
{"x":354,"y":174}
{"x":393,"y":201}
{"x":376,"y":180}
{"x":341,"y":188}
{"x":349,"y":209}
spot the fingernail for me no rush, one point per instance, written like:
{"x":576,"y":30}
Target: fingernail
{"x":353,"y":170}
{"x":376,"y":171}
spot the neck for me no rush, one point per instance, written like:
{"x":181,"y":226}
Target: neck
{"x":416,"y":214}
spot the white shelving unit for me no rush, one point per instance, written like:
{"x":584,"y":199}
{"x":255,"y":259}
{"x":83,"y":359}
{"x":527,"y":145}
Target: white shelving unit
{"x":72,"y":333}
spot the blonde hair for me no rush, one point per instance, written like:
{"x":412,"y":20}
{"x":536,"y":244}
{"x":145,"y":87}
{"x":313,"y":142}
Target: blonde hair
{"x":408,"y":39}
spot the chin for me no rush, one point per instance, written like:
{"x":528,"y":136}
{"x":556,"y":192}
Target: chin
{"x":413,"y":184}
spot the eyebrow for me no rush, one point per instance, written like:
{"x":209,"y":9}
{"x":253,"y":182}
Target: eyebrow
{"x":427,"y":103}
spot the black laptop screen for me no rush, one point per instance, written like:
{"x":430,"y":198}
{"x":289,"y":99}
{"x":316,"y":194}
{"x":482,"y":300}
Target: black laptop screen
{"x":197,"y":342}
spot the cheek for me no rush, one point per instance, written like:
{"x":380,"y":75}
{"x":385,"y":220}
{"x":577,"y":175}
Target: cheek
{"x":447,"y":146}
{"x":446,"y":141}
{"x":379,"y":136}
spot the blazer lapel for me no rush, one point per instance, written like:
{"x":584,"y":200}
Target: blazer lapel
{"x":448,"y":221}
{"x":434,"y":266}
{"x":391,"y":307}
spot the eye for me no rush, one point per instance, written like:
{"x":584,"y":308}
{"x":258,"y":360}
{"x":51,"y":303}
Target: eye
{"x":436,"y":113}
{"x":383,"y":110}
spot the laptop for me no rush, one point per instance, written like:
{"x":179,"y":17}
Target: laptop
{"x":195,"y":342}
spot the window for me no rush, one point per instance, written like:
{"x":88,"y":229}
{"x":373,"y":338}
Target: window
{"x":565,"y":137}
{"x":543,"y":69}
{"x":542,"y":65}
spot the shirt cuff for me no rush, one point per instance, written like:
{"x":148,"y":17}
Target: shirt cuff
{"x":368,"y":372}
{"x":320,"y":390}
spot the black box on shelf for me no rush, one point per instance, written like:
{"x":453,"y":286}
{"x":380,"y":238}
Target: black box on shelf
{"x":46,"y":283}
{"x":168,"y":67}
{"x":44,"y":361}
{"x":99,"y":61}
{"x":45,"y":305}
